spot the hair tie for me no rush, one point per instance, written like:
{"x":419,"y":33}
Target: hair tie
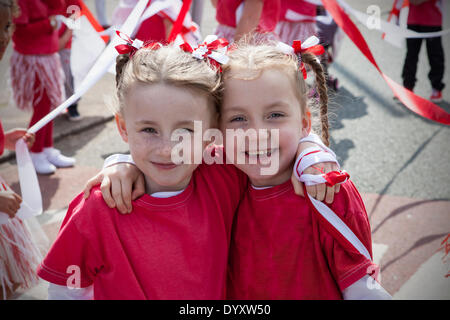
{"x":131,"y":46}
{"x":298,"y":48}
{"x":212,"y":49}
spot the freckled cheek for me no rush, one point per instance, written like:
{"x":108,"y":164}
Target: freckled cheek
{"x":142,"y":145}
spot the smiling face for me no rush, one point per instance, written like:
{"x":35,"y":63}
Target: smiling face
{"x":5,"y":28}
{"x":266,"y":102}
{"x":152,"y":113}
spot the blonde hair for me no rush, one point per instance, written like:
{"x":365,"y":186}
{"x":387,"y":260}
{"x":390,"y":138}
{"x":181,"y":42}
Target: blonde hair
{"x":167,"y":65}
{"x":12,"y":4}
{"x":249,"y":59}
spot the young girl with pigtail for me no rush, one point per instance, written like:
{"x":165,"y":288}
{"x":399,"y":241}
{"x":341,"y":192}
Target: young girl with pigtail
{"x":282,"y":247}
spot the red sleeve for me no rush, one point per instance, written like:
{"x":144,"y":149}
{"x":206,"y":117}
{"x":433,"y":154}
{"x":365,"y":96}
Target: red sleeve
{"x":347,"y":267}
{"x":72,"y":257}
{"x":2,"y":139}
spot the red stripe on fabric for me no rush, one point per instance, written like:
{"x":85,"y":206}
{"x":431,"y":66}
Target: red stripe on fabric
{"x":416,"y":104}
{"x":298,"y":164}
{"x":178,"y":24}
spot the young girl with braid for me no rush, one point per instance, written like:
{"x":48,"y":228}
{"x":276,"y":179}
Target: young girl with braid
{"x":279,"y":247}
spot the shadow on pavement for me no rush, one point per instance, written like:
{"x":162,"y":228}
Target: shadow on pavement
{"x":421,"y":242}
{"x":48,"y":184}
{"x":404,"y":209}
{"x":343,"y":105}
{"x":405,"y":165}
{"x":390,"y":105}
{"x":69,"y":147}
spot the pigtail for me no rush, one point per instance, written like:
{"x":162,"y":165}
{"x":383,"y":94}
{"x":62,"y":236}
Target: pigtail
{"x":121,"y":61}
{"x":311,"y":60}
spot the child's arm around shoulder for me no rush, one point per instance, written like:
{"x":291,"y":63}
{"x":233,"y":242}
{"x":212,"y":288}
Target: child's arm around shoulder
{"x":120,"y":182}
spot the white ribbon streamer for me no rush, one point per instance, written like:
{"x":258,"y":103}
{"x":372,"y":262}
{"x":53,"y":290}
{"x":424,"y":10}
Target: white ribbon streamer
{"x":326,"y":154}
{"x":29,"y":186}
{"x":340,"y":225}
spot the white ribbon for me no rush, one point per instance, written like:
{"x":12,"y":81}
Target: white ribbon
{"x":287,"y":49}
{"x":218,"y":54}
{"x":29,"y":186}
{"x":326,"y":155}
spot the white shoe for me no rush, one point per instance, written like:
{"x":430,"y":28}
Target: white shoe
{"x":41,"y":164}
{"x":55,"y":157}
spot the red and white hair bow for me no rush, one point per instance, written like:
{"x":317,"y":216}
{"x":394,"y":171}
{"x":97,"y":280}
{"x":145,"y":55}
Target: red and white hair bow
{"x":131,"y":46}
{"x":213,"y":48}
{"x":309,"y":45}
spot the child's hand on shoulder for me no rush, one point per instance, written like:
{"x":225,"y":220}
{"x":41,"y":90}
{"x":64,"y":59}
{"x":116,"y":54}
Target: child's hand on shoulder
{"x":120,"y":184}
{"x":320,"y":191}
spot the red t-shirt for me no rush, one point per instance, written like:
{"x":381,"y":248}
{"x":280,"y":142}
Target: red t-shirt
{"x":33,"y":32}
{"x":280,"y":251}
{"x":302,"y":8}
{"x":428,"y":13}
{"x":226,"y":14}
{"x":167,"y":248}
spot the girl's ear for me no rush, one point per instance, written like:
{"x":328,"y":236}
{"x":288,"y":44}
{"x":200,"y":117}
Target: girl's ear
{"x":121,"y":126}
{"x":306,"y":124}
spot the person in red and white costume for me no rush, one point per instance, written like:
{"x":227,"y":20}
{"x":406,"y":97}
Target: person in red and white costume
{"x":238,"y":18}
{"x":297,"y":21}
{"x":425,"y":16}
{"x":37,"y":77}
{"x":19,"y":253}
{"x":21,"y":242}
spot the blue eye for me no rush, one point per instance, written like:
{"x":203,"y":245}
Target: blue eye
{"x":149,"y":130}
{"x":275,"y":115}
{"x":237,"y":119}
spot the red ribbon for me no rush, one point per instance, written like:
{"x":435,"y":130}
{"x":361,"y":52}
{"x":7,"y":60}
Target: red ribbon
{"x":178,"y":24}
{"x":216,"y":44}
{"x":316,"y":49}
{"x":128,"y":48}
{"x":335,"y":177}
{"x":186,"y":47}
{"x":413,"y":102}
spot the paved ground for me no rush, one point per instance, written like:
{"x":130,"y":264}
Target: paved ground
{"x":399,"y":161}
